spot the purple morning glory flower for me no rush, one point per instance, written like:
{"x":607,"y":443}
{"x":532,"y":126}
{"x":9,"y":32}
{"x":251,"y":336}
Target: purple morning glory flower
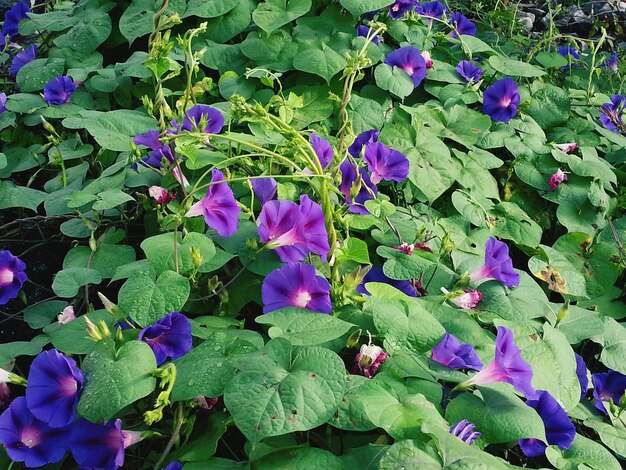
{"x":608,"y":386}
{"x":100,"y":446}
{"x":365,"y":31}
{"x":279,"y":226}
{"x":151,"y":139}
{"x":462,"y":25}
{"x":22,"y":58}
{"x":28,"y":439}
{"x":469,"y":71}
{"x":409,"y":59}
{"x":498,"y":265}
{"x":559,"y":428}
{"x":385,"y":163}
{"x":400,"y":7}
{"x":376,"y":274}
{"x":361,"y":140}
{"x":193,"y":116}
{"x":322,"y":148}
{"x":507,"y":366}
{"x":452,"y":353}
{"x":568,"y":51}
{"x":175,"y":465}
{"x":59,"y":90}
{"x":431,"y":9}
{"x":296,"y":285}
{"x":169,"y":337}
{"x":12,"y":19}
{"x":3,"y":102}
{"x":219,"y":206}
{"x":500,"y":100}
{"x":581,"y":373}
{"x":556,"y":179}
{"x":348,"y":178}
{"x":464,"y":430}
{"x":12,"y":276}
{"x":314,"y":226}
{"x":265,"y":189}
{"x":611,"y":113}
{"x":612,"y":62}
{"x":54,"y":388}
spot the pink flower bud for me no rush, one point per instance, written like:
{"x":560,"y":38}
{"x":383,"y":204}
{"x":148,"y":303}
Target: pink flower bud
{"x":556,"y":179}
{"x":161,"y":195}
{"x":567,"y":148}
{"x":67,"y":315}
{"x":468,"y":300}
{"x":427,"y":59}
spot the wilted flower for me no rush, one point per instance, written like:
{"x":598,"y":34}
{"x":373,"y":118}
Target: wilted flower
{"x":207,"y":404}
{"x":3,"y":102}
{"x":427,"y":59}
{"x":219,"y":206}
{"x":348,"y":179}
{"x":431,"y":9}
{"x":296,"y":285}
{"x":498,"y":265}
{"x":611,"y":113}
{"x":385,"y":163}
{"x":12,"y":276}
{"x":464,"y":430}
{"x":469,"y":71}
{"x":501,"y":99}
{"x":196,"y":114}
{"x":161,"y":195}
{"x":568,"y":147}
{"x":368,"y":360}
{"x":67,"y":315}
{"x":556,"y":179}
{"x":559,"y":428}
{"x":376,"y":274}
{"x":365,"y":31}
{"x":22,"y":58}
{"x":467,"y":300}
{"x":59,"y":90}
{"x":462,"y":25}
{"x":399,"y":8}
{"x":507,"y":366}
{"x":408,"y":248}
{"x":608,"y":386}
{"x":409,"y":59}
{"x":452,"y":353}
{"x":265,"y":189}
{"x":169,"y":338}
{"x":12,"y":19}
{"x":100,"y":445}
{"x":581,"y":373}
{"x":322,"y":148}
{"x":361,"y":140}
{"x":5,"y":395}
{"x":612,"y":62}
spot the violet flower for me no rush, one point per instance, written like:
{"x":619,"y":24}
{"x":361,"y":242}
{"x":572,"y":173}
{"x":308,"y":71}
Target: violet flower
{"x":59,"y":90}
{"x":265,"y":189}
{"x":161,"y":195}
{"x":54,"y":388}
{"x":12,"y":276}
{"x":608,"y":386}
{"x":611,"y":114}
{"x":568,"y":51}
{"x":314,"y":226}
{"x":3,"y":102}
{"x":507,"y":366}
{"x":28,"y":439}
{"x":322,"y":148}
{"x":581,"y":373}
{"x":368,"y":360}
{"x":612,"y":62}
{"x":200,"y":112}
{"x":100,"y":446}
{"x":452,"y":353}
{"x":365,"y":31}
{"x":500,"y":100}
{"x":385,"y":163}
{"x":279,"y":226}
{"x":568,"y":147}
{"x":498,"y":265}
{"x":348,"y":179}
{"x":376,"y":274}
{"x":462,"y":25}
{"x":469,"y":71}
{"x":431,"y":9}
{"x":464,"y":430}
{"x":559,"y":428}
{"x":361,"y":141}
{"x":296,"y":285}
{"x":219,"y":207}
{"x":175,"y":465}
{"x":22,"y":58}
{"x":399,"y":8}
{"x":409,"y":59}
{"x":169,"y":338}
{"x":12,"y":19}
{"x":556,"y":179}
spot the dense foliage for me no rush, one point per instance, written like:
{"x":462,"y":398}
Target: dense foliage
{"x":308,"y":234}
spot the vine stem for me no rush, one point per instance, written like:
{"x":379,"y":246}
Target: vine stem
{"x":178,"y":425}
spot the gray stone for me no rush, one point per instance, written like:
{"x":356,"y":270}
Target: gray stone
{"x":527,"y":19}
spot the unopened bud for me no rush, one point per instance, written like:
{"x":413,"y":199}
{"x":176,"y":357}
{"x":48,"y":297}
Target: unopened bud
{"x":354,"y":339}
{"x":108,"y":305}
{"x":97,"y":332}
{"x":93,"y":245}
{"x":447,"y":245}
{"x":196,"y":257}
{"x":47,"y":126}
{"x":213,"y":283}
{"x":354,"y":278}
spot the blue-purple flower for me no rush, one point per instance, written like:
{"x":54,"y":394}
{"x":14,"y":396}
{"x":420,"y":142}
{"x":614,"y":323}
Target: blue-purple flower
{"x":501,"y":99}
{"x":452,"y":353}
{"x":54,"y":388}
{"x":59,"y":90}
{"x":399,"y":8}
{"x":354,"y":199}
{"x":507,"y":366}
{"x":199,"y":113}
{"x":559,"y":428}
{"x":581,"y":373}
{"x":611,"y":113}
{"x":175,"y":465}
{"x":568,"y":51}
{"x":28,"y":439}
{"x":376,"y":274}
{"x":462,"y":25}
{"x":366,"y":31}
{"x":265,"y":189}
{"x":296,"y":285}
{"x":361,"y":141}
{"x":464,"y":430}
{"x":12,"y":19}
{"x":22,"y":58}
{"x":608,"y":386}
{"x":219,"y":207}
{"x":3,"y":102}
{"x":169,"y":338}
{"x":385,"y":163}
{"x":409,"y":59}
{"x":314,"y":226}
{"x":498,"y":265}
{"x":322,"y":148}
{"x":469,"y":71}
{"x":12,"y":276}
{"x":431,"y":9}
{"x":612,"y":62}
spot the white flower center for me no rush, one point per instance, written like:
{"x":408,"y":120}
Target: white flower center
{"x":302,"y":299}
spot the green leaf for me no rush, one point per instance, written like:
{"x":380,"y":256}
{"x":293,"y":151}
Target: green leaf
{"x":319,"y":59}
{"x":558,"y":272}
{"x":303,"y":327}
{"x":394,"y":80}
{"x":9,"y":351}
{"x":272,"y":14}
{"x":583,"y":454}
{"x":353,"y":249}
{"x":204,"y":9}
{"x":350,"y":415}
{"x":224,"y":27}
{"x":580,"y":324}
{"x":68,"y":281}
{"x":110,"y":199}
{"x":550,"y":105}
{"x":34,"y":75}
{"x":509,"y":221}
{"x":19,"y":196}
{"x":612,"y":437}
{"x":146,"y":301}
{"x":161,"y":250}
{"x":42,"y":314}
{"x":358,"y":7}
{"x":72,"y":338}
{"x":106,"y":259}
{"x":514,"y":68}
{"x":613,"y":340}
{"x":402,"y":266}
{"x":115,"y":379}
{"x":411,"y":454}
{"x":91,"y":27}
{"x":299,"y":457}
{"x":282,"y":389}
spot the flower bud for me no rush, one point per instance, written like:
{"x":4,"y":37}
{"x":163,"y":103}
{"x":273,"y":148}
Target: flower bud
{"x":108,"y":305}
